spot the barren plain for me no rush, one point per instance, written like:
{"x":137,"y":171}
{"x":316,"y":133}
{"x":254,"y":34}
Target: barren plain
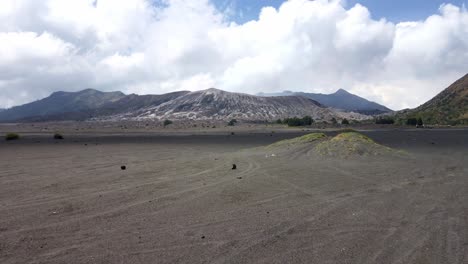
{"x":179,"y":201}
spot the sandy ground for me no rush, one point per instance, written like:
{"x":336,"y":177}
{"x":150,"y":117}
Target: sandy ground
{"x":178,"y":201}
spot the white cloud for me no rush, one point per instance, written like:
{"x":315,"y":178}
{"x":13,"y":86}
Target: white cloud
{"x":138,"y":46}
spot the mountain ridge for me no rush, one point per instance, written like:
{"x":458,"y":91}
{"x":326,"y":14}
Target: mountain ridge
{"x":61,"y":102}
{"x":342,"y":100}
{"x":209,"y":104}
{"x":449,"y":107}
{"x":217,"y":104}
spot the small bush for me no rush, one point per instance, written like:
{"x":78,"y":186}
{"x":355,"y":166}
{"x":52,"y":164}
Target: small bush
{"x":307,"y":120}
{"x":411,"y":121}
{"x":232,"y":122}
{"x":385,"y":121}
{"x":345,"y":122}
{"x":420,"y":122}
{"x":167,"y":122}
{"x":296,"y":121}
{"x":12,"y":136}
{"x":58,"y":136}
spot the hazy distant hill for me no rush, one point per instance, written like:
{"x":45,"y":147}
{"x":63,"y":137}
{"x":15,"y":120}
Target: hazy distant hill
{"x":448,"y":107}
{"x":60,"y":103}
{"x":342,"y":100}
{"x":134,"y":102}
{"x":217,"y":104}
{"x":210,"y":104}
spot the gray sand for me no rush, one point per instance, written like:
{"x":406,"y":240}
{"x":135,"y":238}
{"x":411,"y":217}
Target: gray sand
{"x":178,"y":201}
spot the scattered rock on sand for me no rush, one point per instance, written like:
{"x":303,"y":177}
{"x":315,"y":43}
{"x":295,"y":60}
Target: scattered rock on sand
{"x":123,"y":167}
{"x":234,"y":166}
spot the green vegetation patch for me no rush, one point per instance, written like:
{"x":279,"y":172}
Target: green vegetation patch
{"x":351,"y":144}
{"x":344,"y":145}
{"x":296,"y":121}
{"x":352,"y":136}
{"x":346,"y":130}
{"x":233,"y":122}
{"x":12,"y":136}
{"x":167,"y":122}
{"x":299,"y":140}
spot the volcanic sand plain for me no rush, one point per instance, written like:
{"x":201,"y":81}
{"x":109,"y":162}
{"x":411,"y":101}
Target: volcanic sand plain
{"x":179,"y":201}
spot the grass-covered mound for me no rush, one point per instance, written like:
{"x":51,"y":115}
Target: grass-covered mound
{"x":351,"y":144}
{"x":12,"y":136}
{"x":313,"y":137}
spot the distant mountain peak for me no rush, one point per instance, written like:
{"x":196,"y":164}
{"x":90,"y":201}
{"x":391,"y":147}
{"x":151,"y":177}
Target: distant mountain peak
{"x":213,"y":91}
{"x":215,"y":104}
{"x":86,"y":91}
{"x":342,"y":100}
{"x":60,"y":103}
{"x":342,"y":91}
{"x":209,"y":104}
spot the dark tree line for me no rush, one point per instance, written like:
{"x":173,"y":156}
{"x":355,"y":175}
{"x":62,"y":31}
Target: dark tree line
{"x":296,"y":121}
{"x":414,"y":121}
{"x":385,"y":121}
{"x":232,"y":122}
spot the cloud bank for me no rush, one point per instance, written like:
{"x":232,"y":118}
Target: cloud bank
{"x":144,"y":46}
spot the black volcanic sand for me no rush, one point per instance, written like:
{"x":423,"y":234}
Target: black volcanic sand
{"x":179,"y":201}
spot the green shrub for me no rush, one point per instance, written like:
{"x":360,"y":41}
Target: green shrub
{"x":307,"y":120}
{"x":420,"y":122}
{"x":296,"y":121}
{"x":385,"y":121}
{"x":167,"y":122}
{"x":232,"y":122}
{"x":58,"y":136}
{"x":411,"y":121}
{"x":345,"y":122}
{"x":12,"y":136}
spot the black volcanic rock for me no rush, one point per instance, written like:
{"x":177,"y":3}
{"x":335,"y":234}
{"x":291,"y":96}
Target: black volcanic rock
{"x":342,"y":100}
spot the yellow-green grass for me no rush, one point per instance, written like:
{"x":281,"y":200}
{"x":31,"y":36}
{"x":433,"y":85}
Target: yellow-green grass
{"x":351,"y":143}
{"x":12,"y":136}
{"x":300,"y":140}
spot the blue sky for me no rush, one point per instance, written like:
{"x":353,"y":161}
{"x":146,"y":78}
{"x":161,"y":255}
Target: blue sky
{"x":50,"y":45}
{"x":392,"y":10}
